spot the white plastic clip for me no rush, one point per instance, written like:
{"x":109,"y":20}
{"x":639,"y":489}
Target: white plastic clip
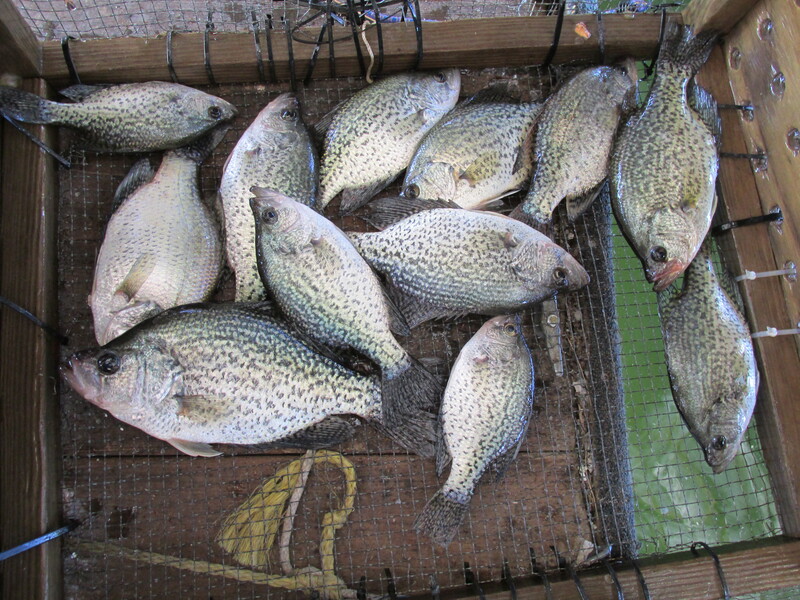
{"x":749,"y":275}
{"x":772,"y":332}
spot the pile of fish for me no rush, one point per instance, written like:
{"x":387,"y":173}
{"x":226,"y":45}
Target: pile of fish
{"x":268,"y":370}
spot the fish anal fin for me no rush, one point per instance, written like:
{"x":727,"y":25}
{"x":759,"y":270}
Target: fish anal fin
{"x":443,"y":457}
{"x":194,"y":448}
{"x":353,"y":198}
{"x":577,"y":205}
{"x":397,"y":322}
{"x":328,"y":432}
{"x":414,"y":309}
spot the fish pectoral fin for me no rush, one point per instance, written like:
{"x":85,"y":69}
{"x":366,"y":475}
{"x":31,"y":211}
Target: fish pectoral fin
{"x":577,"y":205}
{"x":328,"y":432}
{"x":477,"y":170}
{"x":194,"y":406}
{"x":141,"y":173}
{"x":80,"y":92}
{"x":194,"y":448}
{"x":137,"y":276}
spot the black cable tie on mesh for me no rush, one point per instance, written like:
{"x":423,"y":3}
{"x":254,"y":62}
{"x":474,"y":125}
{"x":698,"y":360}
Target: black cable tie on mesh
{"x":270,"y":56}
{"x":750,"y":156}
{"x":436,"y":591}
{"x":170,"y":65}
{"x":361,"y":591}
{"x":48,"y":329}
{"x":556,"y":35}
{"x":564,"y":564}
{"x":642,"y":582}
{"x":66,"y":163}
{"x":331,"y":54}
{"x":774,"y":216}
{"x":287,"y":27}
{"x":741,"y":107}
{"x":354,"y":24}
{"x":314,"y":54}
{"x":470,"y":579}
{"x":601,"y":36}
{"x":73,"y":72}
{"x":726,"y":594}
{"x":614,"y":579}
{"x":257,"y":41}
{"x":206,"y":49}
{"x":417,"y":15}
{"x":391,"y":588}
{"x":541,"y":574}
{"x":508,"y":580}
{"x":377,"y":12}
{"x":662,"y":30}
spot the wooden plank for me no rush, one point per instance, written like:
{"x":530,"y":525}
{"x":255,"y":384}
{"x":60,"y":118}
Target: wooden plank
{"x":716,"y":15}
{"x":28,"y":449}
{"x":750,"y":248}
{"x":468,"y":43}
{"x":20,"y":51}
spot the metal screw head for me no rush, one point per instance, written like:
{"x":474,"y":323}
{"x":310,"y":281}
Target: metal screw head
{"x":778,"y":84}
{"x":790,"y":266}
{"x":759,"y":164}
{"x":748,"y":114}
{"x":793,"y":141}
{"x":765,"y":29}
{"x":552,"y":320}
{"x":735,"y":57}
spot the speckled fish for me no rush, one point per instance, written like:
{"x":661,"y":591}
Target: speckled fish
{"x":131,"y":117}
{"x":162,"y":246}
{"x":574,"y":136}
{"x":447,"y":262}
{"x":372,"y":136}
{"x":227,"y":374}
{"x":711,"y":364}
{"x":664,"y":163}
{"x":483,"y":419}
{"x":479,"y":153}
{"x":325,"y":287}
{"x":275,"y":152}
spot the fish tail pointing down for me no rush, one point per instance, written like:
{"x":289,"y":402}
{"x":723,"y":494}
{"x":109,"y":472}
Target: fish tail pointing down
{"x":682,"y":49}
{"x":441,"y":518}
{"x":24,"y":106}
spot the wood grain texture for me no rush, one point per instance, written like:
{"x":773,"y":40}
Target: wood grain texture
{"x":28,"y":410}
{"x":20,"y":52}
{"x":751,"y":248}
{"x":468,"y":43}
{"x":716,"y":15}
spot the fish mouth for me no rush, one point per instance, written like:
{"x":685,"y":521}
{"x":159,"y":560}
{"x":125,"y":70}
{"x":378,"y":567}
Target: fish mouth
{"x":81,"y":379}
{"x":665,"y":276}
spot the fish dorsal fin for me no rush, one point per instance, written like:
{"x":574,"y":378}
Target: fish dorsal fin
{"x":80,"y":92}
{"x":320,"y":129}
{"x":194,"y":448}
{"x":141,"y":173}
{"x":388,"y":211}
{"x":443,"y":457}
{"x":703,"y":103}
{"x":137,"y":276}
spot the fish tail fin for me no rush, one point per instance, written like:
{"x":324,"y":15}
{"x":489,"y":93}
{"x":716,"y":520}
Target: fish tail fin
{"x":683,"y":50}
{"x":26,"y":107}
{"x":441,"y":518}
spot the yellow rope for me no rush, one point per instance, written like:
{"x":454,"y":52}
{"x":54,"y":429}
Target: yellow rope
{"x":249,"y":533}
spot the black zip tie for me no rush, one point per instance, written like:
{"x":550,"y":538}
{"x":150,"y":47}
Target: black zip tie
{"x":73,"y":73}
{"x":726,"y":593}
{"x":642,"y":582}
{"x":770,"y":217}
{"x":601,"y":37}
{"x":361,"y":592}
{"x":270,"y":56}
{"x":741,"y":107}
{"x":331,"y":54}
{"x":287,"y":27}
{"x":562,"y":563}
{"x":556,"y":35}
{"x":614,"y":579}
{"x":170,"y":66}
{"x":377,"y":12}
{"x":257,"y":41}
{"x":754,"y":156}
{"x":353,"y":18}
{"x":391,"y":588}
{"x":542,"y":575}
{"x":417,"y":15}
{"x":314,"y":54}
{"x":38,"y":541}
{"x":508,"y":580}
{"x":64,"y":162}
{"x":48,"y":329}
{"x":470,"y":579}
{"x":436,"y":591}
{"x":662,"y":30}
{"x":206,"y":54}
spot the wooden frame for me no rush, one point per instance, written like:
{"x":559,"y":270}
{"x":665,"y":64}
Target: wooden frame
{"x":28,"y":463}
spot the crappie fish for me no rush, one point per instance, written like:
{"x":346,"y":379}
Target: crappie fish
{"x":162,"y":246}
{"x":372,"y":136}
{"x":130,"y":117}
{"x":711,"y":364}
{"x":574,"y":136}
{"x":664,"y":163}
{"x":482,"y":422}
{"x":325,"y":287}
{"x":479,"y":153}
{"x":274,"y":152}
{"x":228,"y":374}
{"x":447,"y":262}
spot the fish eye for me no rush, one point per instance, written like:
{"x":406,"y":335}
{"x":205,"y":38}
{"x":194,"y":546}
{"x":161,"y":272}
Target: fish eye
{"x":289,"y":115}
{"x":215,"y":112}
{"x":509,"y":330}
{"x":658,"y":254}
{"x":440,"y":77}
{"x":411,"y":191}
{"x":719,"y":442}
{"x":270,"y":216}
{"x":108,"y":363}
{"x":560,"y":276}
